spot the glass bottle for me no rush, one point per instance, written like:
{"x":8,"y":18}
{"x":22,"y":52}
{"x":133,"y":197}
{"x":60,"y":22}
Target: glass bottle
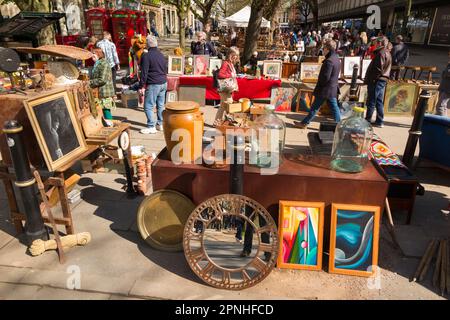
{"x":351,"y":143}
{"x":267,"y":141}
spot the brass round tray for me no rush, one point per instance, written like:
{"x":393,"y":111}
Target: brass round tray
{"x":161,"y":218}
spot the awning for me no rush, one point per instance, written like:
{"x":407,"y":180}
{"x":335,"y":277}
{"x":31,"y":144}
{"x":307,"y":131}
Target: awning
{"x":28,"y":23}
{"x":241,"y":18}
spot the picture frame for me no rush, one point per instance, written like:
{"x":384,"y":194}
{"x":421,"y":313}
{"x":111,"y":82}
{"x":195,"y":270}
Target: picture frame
{"x":283,"y":97}
{"x":189,"y":65}
{"x":309,"y":71}
{"x":293,"y":231}
{"x":272,"y":68}
{"x":57,"y":130}
{"x":349,"y":62}
{"x":176,"y":65}
{"x":400,"y":98}
{"x":364,"y":65}
{"x":171,"y":96}
{"x":201,"y":65}
{"x":214,"y":63}
{"x":349,"y":222}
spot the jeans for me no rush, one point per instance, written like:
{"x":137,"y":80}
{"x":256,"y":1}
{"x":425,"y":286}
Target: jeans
{"x":443,"y":104}
{"x":375,"y":98}
{"x":316,"y":106}
{"x":114,"y":75}
{"x":155,"y":94}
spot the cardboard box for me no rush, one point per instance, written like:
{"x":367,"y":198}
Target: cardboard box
{"x":130,"y":99}
{"x":233,"y":107}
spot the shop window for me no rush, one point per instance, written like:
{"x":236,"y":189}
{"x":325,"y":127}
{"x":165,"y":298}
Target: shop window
{"x":417,"y":25}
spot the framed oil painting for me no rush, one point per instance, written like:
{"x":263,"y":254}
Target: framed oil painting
{"x":300,"y":230}
{"x":364,"y":65}
{"x":400,"y":98}
{"x":272,"y":68}
{"x":309,"y":71}
{"x":201,"y":64}
{"x":176,"y":65}
{"x":171,"y":96}
{"x":354,"y":236}
{"x":56,"y":128}
{"x":349,"y":63}
{"x":283,"y":98}
{"x":214,"y":64}
{"x":189,"y":65}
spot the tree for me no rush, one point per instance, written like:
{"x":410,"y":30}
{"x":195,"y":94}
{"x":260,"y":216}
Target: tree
{"x":305,"y":9}
{"x":205,"y":7}
{"x":258,"y":8}
{"x":183,"y":7}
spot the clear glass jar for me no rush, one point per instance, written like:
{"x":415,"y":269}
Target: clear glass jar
{"x":267,"y":140}
{"x":351,"y":143}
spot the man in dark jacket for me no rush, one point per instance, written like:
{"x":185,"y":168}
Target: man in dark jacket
{"x":377,"y":75}
{"x":202,"y":46}
{"x":327,"y":85}
{"x":443,"y":103}
{"x":400,"y":55}
{"x":154,"y":80}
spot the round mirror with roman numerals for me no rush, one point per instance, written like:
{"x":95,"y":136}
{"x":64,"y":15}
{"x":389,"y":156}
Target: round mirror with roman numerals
{"x":231,"y":242}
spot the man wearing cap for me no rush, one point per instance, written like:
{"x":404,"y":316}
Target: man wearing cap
{"x":154,"y":80}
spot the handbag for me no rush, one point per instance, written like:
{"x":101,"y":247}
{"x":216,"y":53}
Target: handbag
{"x":227,"y":85}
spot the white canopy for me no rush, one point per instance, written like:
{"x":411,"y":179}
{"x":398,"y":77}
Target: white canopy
{"x":240,"y":19}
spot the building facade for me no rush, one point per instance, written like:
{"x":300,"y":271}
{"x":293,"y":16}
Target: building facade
{"x":429,"y":22}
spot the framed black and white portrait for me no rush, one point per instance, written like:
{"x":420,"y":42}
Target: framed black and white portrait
{"x":56,"y":128}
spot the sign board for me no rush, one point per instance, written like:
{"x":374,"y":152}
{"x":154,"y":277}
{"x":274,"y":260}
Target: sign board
{"x":440,"y":32}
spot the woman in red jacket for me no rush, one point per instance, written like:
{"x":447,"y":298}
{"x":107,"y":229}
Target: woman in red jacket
{"x":227,"y":80}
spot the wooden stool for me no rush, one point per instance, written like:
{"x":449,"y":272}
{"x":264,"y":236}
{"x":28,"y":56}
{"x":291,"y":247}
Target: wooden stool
{"x":430,"y":71}
{"x":413,"y":69}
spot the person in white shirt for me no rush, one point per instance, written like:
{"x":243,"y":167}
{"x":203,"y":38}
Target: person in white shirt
{"x":110,"y":51}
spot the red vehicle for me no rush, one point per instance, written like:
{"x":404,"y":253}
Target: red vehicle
{"x":125,"y":24}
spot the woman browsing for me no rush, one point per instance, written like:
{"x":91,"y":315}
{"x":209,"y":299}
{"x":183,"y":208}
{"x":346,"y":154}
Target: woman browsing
{"x":102,"y":79}
{"x":227,"y":80}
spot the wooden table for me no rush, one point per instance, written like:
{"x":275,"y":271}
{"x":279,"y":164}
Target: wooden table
{"x":300,"y":178}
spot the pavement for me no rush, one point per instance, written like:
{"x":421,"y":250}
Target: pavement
{"x":118,"y":264}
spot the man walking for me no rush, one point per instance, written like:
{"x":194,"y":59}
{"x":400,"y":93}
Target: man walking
{"x":400,"y":55}
{"x":443,"y":103}
{"x":377,"y":75}
{"x":327,"y":85}
{"x":154,"y":80}
{"x":110,"y":51}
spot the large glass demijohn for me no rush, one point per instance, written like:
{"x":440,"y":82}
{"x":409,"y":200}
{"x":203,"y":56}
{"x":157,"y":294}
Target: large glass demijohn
{"x":268,"y":135}
{"x":351,"y":143}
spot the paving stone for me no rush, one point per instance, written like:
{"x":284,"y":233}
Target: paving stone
{"x":412,"y":240}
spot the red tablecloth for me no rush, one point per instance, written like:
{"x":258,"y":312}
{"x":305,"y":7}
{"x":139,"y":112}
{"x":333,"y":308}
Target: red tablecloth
{"x":248,"y":88}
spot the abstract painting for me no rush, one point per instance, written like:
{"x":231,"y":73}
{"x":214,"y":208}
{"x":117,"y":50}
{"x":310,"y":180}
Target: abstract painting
{"x":201,"y":64}
{"x":400,"y":98}
{"x":301,"y":232}
{"x":354,"y":239}
{"x":282,"y":98}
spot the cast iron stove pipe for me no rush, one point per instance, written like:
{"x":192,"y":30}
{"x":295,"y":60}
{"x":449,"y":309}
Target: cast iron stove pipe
{"x":34,"y":224}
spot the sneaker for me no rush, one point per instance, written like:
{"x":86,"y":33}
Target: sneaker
{"x":378,"y":125}
{"x":159,"y":127}
{"x":238,"y":240}
{"x":151,"y":130}
{"x":245,"y":254}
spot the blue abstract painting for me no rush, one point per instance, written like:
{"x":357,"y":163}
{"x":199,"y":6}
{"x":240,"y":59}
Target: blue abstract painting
{"x":354,"y":240}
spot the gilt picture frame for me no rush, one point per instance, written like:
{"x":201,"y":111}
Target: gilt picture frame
{"x":272,"y":68}
{"x":400,"y":98}
{"x":354,"y":236}
{"x":57,"y":130}
{"x":309,"y":71}
{"x":176,"y":65}
{"x":300,"y":229}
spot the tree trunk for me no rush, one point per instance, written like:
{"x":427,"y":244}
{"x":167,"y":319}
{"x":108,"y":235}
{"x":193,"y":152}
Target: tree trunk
{"x":406,"y":17}
{"x":253,"y":29}
{"x":182,"y":36}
